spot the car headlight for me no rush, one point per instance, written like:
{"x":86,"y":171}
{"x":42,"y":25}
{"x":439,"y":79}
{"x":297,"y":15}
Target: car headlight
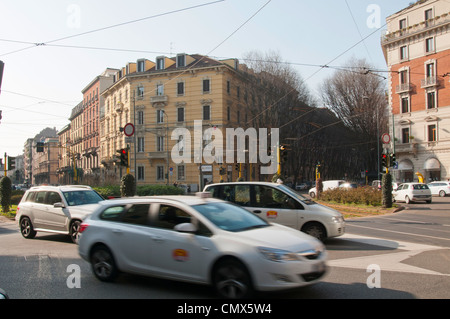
{"x":278,"y":255}
{"x":337,"y":219}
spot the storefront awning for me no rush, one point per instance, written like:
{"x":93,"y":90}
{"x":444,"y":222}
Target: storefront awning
{"x":432,"y":164}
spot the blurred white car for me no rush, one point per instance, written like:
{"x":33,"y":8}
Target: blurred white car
{"x":439,"y":188}
{"x":55,"y":209}
{"x":412,"y":192}
{"x":200,"y":240}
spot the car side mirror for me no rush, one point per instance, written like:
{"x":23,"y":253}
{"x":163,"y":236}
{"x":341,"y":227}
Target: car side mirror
{"x":59,"y":204}
{"x":186,"y":228}
{"x":3,"y":294}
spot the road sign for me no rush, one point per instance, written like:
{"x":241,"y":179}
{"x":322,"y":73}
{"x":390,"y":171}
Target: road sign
{"x":386,"y":138}
{"x":128,"y":129}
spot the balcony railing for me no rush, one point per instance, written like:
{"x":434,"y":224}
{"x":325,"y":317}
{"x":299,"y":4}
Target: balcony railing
{"x":429,"y":82}
{"x":403,"y":88}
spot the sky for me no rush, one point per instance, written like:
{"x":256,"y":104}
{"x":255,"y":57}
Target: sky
{"x":52,"y":49}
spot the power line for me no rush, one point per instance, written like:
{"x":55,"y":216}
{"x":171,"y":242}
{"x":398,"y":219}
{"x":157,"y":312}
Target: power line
{"x":35,"y":44}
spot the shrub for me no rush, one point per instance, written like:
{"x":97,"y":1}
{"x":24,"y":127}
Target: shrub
{"x":149,"y":190}
{"x":359,"y":196}
{"x":5,"y":193}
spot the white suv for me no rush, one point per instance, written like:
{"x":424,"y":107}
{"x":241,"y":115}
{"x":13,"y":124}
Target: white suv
{"x":439,"y":188}
{"x":56,"y":209}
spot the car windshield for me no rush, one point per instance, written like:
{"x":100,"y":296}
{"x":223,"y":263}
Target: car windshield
{"x":230,"y":217}
{"x":82,"y":197}
{"x":293,"y":193}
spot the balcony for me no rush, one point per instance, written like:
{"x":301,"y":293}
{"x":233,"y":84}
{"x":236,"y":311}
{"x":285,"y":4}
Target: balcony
{"x":157,"y":155}
{"x":430,"y":81}
{"x":403,"y":88}
{"x":406,"y":148}
{"x":159,"y":100}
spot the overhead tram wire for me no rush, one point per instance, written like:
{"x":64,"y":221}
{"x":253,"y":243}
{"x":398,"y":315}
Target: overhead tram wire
{"x":36,"y":44}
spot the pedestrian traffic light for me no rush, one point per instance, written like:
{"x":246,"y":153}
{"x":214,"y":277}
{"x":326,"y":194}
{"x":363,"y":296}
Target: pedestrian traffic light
{"x":11,"y":163}
{"x":384,"y":160}
{"x":283,"y":153}
{"x":123,"y":156}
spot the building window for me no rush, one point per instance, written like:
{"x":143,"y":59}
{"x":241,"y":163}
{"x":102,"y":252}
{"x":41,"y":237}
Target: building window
{"x":140,"y":92}
{"x":140,"y":146}
{"x":428,"y":15}
{"x":206,"y":112}
{"x":405,"y":104}
{"x":181,"y":60}
{"x":228,"y":114}
{"x":159,"y":116}
{"x":402,"y":24}
{"x":140,"y":65}
{"x":206,"y":85}
{"x":181,"y":173}
{"x":140,"y":173}
{"x":180,"y":114}
{"x":160,"y":143}
{"x":159,"y":89}
{"x":228,"y":86}
{"x":140,"y":118}
{"x":160,"y":63}
{"x":431,"y":100}
{"x":429,"y":45}
{"x":432,"y":133}
{"x":403,"y":52}
{"x":180,"y":88}
{"x":159,"y":173}
{"x":405,"y":135}
{"x":403,"y":77}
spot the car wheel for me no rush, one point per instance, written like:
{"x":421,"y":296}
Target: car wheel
{"x":312,"y":194}
{"x":103,"y":264}
{"x":231,"y":280}
{"x":26,"y":228}
{"x":74,"y":230}
{"x":407,"y":200}
{"x":442,"y":193}
{"x":316,"y":230}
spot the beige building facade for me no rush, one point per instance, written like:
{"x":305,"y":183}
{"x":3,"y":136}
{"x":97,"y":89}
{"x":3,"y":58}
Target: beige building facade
{"x":157,"y":98}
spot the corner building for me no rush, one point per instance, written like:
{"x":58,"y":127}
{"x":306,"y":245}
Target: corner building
{"x":163,"y":95}
{"x":416,"y":47}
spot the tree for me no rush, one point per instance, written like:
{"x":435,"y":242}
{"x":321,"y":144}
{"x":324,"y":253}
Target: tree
{"x":357,"y":96}
{"x":5,"y":193}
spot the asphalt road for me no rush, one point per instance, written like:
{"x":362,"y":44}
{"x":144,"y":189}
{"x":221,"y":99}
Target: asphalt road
{"x":396,"y":256}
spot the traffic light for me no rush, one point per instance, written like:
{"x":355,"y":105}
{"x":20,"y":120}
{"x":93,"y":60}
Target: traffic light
{"x":283,"y":153}
{"x":236,"y":167}
{"x":384,"y":160}
{"x":39,"y":147}
{"x":123,"y":156}
{"x":392,"y":159}
{"x":11,"y":163}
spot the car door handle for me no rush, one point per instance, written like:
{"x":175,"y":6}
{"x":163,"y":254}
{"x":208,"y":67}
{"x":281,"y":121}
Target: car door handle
{"x":158,"y":238}
{"x":257,"y":211}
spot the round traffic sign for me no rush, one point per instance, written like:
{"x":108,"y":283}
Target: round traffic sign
{"x":386,"y":138}
{"x":128,"y":129}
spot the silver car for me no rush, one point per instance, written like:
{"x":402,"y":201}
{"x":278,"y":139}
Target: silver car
{"x":412,"y":192}
{"x":56,"y":209}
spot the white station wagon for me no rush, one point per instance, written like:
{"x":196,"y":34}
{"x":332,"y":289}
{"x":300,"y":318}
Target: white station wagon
{"x":280,"y":204}
{"x":199,"y":240}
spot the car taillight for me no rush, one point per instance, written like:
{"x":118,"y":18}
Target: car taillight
{"x":83,"y":227}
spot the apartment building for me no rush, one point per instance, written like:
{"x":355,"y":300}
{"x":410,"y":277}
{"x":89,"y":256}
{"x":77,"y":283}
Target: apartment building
{"x":159,"y":97}
{"x":416,"y":47}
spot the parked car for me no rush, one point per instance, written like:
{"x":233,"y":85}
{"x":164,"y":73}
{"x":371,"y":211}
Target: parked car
{"x":376,"y":184}
{"x":199,"y":240}
{"x":56,"y":209}
{"x":280,"y":204}
{"x":348,"y":185}
{"x":412,"y":192}
{"x":326,"y":185}
{"x":439,"y":188}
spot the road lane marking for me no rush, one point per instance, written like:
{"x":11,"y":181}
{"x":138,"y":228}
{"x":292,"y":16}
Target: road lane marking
{"x":387,"y":261}
{"x":399,"y":232}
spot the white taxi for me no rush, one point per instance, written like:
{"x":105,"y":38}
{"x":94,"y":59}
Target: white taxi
{"x":199,"y":240}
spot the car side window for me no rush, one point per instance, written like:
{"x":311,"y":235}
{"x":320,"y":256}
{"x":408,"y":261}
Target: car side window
{"x":52,"y":198}
{"x":169,"y":216}
{"x":112,"y":213}
{"x":137,"y":214}
{"x":30,"y":197}
{"x":40,"y":197}
{"x":269,"y":197}
{"x":242,"y":195}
